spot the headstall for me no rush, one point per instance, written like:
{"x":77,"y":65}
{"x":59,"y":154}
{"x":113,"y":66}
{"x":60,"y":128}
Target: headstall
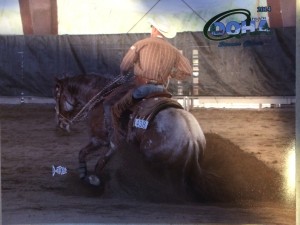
{"x":83,"y":112}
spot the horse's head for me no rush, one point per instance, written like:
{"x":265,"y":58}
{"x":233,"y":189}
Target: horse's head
{"x":66,"y":103}
{"x":76,"y":96}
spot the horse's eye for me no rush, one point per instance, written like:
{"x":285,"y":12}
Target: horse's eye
{"x":57,"y":92}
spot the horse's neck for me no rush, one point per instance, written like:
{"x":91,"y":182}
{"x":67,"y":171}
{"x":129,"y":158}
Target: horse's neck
{"x":85,"y":96}
{"x":86,"y":93}
{"x":89,"y":93}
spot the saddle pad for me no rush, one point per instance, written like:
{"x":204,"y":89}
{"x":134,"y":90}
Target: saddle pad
{"x":147,"y":109}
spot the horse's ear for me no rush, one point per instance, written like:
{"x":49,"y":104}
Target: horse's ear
{"x":56,"y":80}
{"x":59,"y":78}
{"x":57,"y":86}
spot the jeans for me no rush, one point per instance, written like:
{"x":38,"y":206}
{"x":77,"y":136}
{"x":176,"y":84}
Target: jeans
{"x":146,"y":89}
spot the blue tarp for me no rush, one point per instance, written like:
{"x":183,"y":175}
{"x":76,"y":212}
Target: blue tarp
{"x":253,"y":65}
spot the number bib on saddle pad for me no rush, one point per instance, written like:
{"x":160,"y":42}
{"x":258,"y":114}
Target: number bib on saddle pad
{"x":140,"y":123}
{"x":147,"y":109}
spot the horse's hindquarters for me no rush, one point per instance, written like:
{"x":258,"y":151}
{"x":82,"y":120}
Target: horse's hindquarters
{"x":172,"y":138}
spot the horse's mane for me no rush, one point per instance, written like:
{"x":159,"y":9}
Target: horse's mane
{"x":88,"y":85}
{"x":84,"y":83}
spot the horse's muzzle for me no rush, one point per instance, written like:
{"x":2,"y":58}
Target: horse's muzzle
{"x":62,"y":123}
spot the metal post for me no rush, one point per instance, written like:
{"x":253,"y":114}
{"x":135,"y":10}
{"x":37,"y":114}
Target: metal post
{"x":22,"y":76}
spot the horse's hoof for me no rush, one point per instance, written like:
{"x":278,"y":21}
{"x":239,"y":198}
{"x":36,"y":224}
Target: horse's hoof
{"x":93,"y":180}
{"x":82,"y":176}
{"x":112,"y":145}
{"x":82,"y":170}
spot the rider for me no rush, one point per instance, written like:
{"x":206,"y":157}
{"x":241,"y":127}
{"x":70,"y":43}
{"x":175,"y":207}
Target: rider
{"x":153,"y":61}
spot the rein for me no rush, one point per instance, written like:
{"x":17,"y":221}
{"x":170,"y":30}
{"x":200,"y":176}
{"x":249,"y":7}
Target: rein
{"x":82,"y":114}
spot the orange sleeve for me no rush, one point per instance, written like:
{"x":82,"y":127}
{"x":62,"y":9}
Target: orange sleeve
{"x":183,"y":68}
{"x":128,"y":60}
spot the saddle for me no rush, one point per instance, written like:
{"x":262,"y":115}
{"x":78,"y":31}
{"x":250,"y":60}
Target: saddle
{"x":144,"y":111}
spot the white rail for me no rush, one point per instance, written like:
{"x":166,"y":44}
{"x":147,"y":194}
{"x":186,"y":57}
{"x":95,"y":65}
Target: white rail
{"x":188,"y":102}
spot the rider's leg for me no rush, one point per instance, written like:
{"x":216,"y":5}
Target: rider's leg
{"x":108,"y":105}
{"x":124,"y":103}
{"x":147,"y":89}
{"x":110,"y":125}
{"x":128,"y":100}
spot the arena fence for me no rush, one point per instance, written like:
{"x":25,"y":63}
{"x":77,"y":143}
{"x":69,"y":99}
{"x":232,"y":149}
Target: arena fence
{"x":190,"y":102}
{"x":254,"y":65}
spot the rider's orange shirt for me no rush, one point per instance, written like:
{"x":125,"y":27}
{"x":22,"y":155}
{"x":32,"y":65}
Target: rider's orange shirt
{"x":154,"y":58}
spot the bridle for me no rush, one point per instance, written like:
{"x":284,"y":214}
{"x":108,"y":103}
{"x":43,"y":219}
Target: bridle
{"x":65,"y":122}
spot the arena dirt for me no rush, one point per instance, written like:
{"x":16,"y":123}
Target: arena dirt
{"x":246,"y":148}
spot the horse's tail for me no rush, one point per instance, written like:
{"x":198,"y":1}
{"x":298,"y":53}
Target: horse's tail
{"x":204,"y":185}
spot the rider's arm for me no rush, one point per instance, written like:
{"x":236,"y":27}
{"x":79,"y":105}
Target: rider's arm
{"x":182,"y":68}
{"x":129,"y":60}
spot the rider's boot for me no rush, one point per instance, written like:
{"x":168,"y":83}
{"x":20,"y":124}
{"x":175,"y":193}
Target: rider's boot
{"x":108,"y":123}
{"x":123,"y":104}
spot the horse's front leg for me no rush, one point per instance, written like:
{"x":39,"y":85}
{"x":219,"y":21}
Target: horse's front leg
{"x":92,"y":146}
{"x":103,"y":161}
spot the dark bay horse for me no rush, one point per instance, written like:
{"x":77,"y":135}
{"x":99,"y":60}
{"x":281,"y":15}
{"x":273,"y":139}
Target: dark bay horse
{"x":174,"y":139}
